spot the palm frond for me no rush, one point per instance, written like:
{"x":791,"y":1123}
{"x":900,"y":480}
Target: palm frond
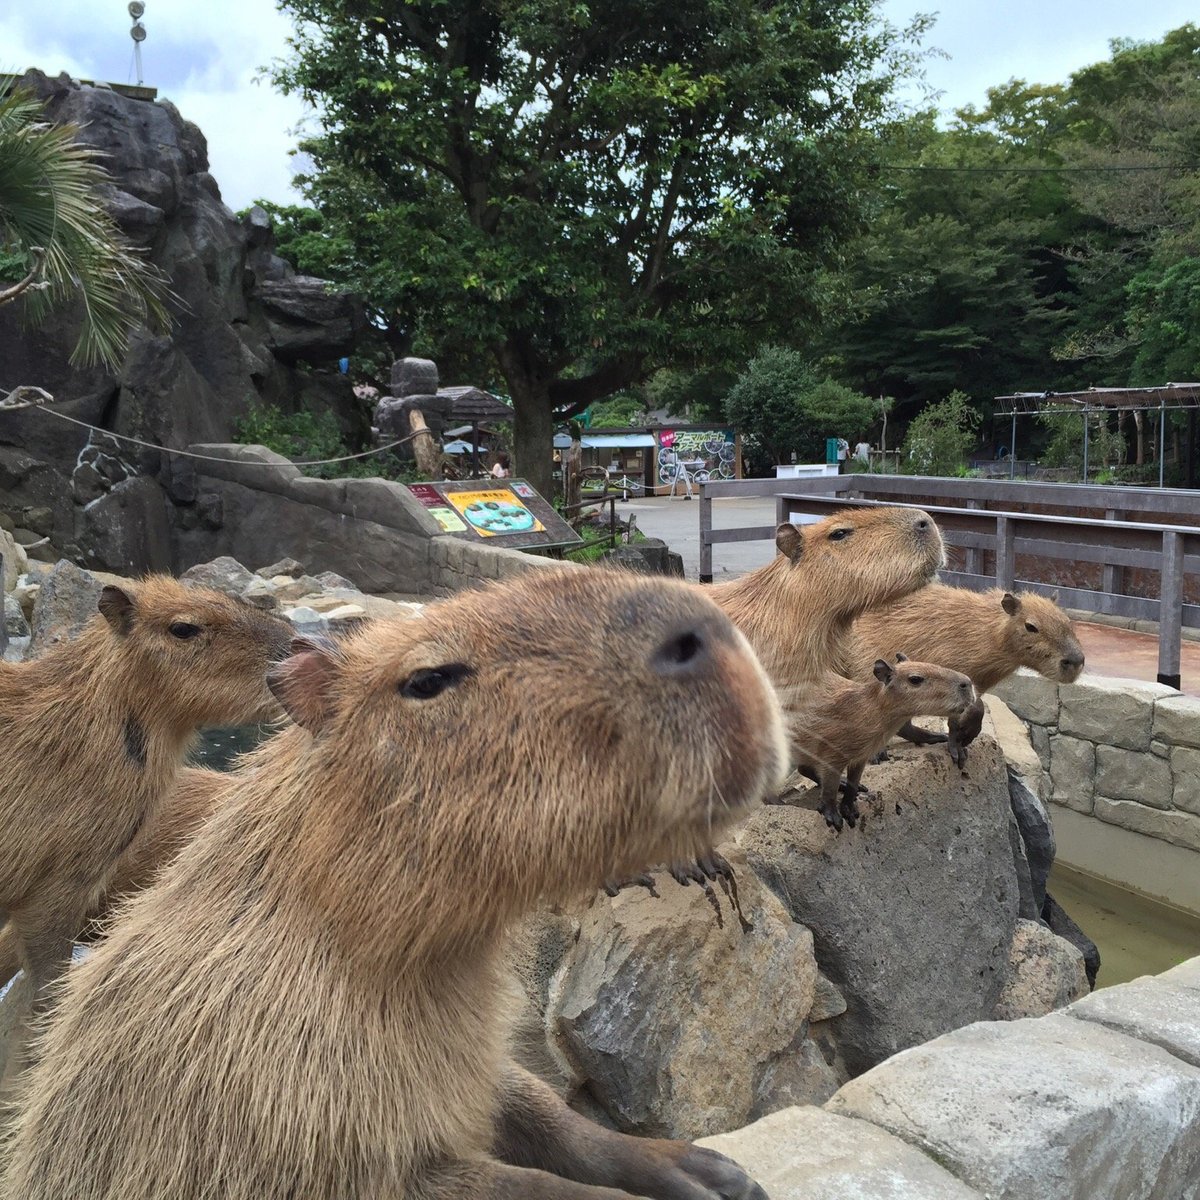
{"x":50,"y":197}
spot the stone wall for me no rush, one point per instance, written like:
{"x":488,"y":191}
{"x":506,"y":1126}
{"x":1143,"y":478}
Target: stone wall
{"x":1100,"y":1101}
{"x":1125,"y":754}
{"x":255,"y":506}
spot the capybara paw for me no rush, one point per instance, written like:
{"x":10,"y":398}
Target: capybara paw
{"x":958,"y":755}
{"x":849,"y":810}
{"x":646,"y":880}
{"x":833,"y":818}
{"x":720,"y":1176}
{"x":882,"y":757}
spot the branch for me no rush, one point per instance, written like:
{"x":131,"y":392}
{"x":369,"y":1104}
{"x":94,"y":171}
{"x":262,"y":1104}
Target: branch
{"x":574,"y":395}
{"x":38,"y":254}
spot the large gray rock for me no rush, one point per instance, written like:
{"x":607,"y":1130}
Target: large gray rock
{"x":65,"y":603}
{"x":126,"y":531}
{"x":913,"y":912}
{"x":1115,"y":712}
{"x":1037,"y":835}
{"x":1054,"y":1108}
{"x":810,"y":1154}
{"x":225,"y":574}
{"x":15,"y":624}
{"x":652,"y":1007}
{"x":308,"y":319}
{"x":1162,"y":1010}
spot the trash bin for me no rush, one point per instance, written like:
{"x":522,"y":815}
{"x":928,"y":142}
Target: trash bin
{"x":831,"y":452}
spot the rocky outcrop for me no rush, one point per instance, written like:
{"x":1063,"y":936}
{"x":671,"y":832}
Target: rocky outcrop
{"x":242,"y":321}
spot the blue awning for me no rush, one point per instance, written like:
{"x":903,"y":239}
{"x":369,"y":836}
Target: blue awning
{"x":600,"y":441}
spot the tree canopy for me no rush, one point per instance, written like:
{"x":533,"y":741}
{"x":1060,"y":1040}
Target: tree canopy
{"x":570,"y":196}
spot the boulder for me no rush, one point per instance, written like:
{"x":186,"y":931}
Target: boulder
{"x":810,"y":1154}
{"x":1059,"y":922}
{"x":224,"y":574}
{"x":913,"y":911}
{"x":1045,"y":972}
{"x":306,"y":318}
{"x":15,"y":624}
{"x":126,"y":531}
{"x":1055,"y":1108}
{"x":15,"y":560}
{"x":1162,"y":1010}
{"x":65,"y":603}
{"x":285,"y":566}
{"x":689,"y":1056}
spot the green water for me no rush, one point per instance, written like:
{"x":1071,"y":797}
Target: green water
{"x":1135,"y":935}
{"x":217,"y":748}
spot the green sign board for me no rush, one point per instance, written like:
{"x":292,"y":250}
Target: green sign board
{"x":506,"y":512}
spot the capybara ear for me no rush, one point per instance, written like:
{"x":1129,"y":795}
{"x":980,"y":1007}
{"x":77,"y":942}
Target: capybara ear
{"x":901,"y":657}
{"x":1010,"y":604}
{"x":882,"y":671}
{"x":303,"y":683}
{"x":789,"y":541}
{"x":118,"y":608}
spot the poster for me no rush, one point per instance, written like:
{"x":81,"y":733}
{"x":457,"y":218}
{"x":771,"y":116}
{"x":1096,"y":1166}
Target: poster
{"x":448,"y":520}
{"x":496,"y":511}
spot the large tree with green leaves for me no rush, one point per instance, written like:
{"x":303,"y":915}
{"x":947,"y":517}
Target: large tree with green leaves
{"x":58,"y":245}
{"x":576,"y":195}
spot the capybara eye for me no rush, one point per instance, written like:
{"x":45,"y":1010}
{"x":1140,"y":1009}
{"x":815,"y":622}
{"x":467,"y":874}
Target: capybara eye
{"x":916,"y":680}
{"x":183,"y":630}
{"x":429,"y":682}
{"x":1031,"y":627}
{"x":840,"y":535}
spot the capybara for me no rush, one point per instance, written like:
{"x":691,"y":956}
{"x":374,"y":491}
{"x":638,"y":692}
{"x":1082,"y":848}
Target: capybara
{"x":797,"y":608}
{"x":841,"y":724}
{"x":94,"y":732}
{"x":168,"y":825}
{"x":306,"y":1002}
{"x":986,"y":635}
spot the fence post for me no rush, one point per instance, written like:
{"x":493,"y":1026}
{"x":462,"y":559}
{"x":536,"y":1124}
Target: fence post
{"x":1112,"y":576}
{"x":1005,"y":558}
{"x":974,"y":563}
{"x":706,"y":570}
{"x":1170,"y":609}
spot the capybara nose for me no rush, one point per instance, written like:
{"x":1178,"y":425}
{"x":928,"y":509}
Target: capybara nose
{"x":1072,"y":662}
{"x":967,"y":688}
{"x":686,"y":652}
{"x":923,"y":524}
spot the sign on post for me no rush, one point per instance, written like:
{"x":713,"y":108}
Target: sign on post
{"x":505,"y":512}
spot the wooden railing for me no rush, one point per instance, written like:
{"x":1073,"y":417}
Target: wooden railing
{"x":965,"y":513}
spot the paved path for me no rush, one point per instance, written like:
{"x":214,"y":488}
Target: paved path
{"x":1109,"y":651}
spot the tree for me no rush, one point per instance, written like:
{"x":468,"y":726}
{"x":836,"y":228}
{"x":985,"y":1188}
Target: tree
{"x":575,"y":195}
{"x":940,"y":437}
{"x":783,"y":406}
{"x":57,"y":243}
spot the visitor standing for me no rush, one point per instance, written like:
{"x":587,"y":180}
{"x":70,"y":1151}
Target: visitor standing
{"x":863,"y":453}
{"x":501,"y":470}
{"x":843,"y":448}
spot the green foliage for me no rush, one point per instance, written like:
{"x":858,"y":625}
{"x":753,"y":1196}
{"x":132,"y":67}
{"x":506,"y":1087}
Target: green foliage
{"x":570,"y":196}
{"x":783,"y":406}
{"x":50,"y":210}
{"x":1164,"y":318}
{"x":940,"y":437}
{"x":1106,"y":445}
{"x":626,"y":408}
{"x":310,"y":435}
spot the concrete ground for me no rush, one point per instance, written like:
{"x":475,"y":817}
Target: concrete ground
{"x":1119,"y":652}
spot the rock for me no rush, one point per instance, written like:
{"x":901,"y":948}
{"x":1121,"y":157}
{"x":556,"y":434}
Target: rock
{"x":127,"y":530}
{"x":1177,"y":720}
{"x":87,"y":484}
{"x":651,"y":556}
{"x":1115,"y":712}
{"x":1179,"y":828}
{"x":1133,"y":775}
{"x":811,"y":1154}
{"x":804,"y":1077}
{"x":306,"y":620}
{"x":261,"y":594}
{"x":291,"y":590}
{"x":330,"y":579}
{"x":1046,"y":972}
{"x":25,"y":594}
{"x":414,"y":377}
{"x":1061,"y":924}
{"x":1037,"y":834}
{"x":828,"y":1001}
{"x":285,"y":566}
{"x":1185,"y":774}
{"x":627,"y":558}
{"x":1072,"y":772}
{"x":685,"y":1059}
{"x":346,"y":613}
{"x":895,"y":904}
{"x":15,"y":624}
{"x":1031,"y":696}
{"x":1159,"y":1010}
{"x":1014,"y":739}
{"x":1054,"y":1108}
{"x":15,"y":560}
{"x":306,"y":318}
{"x":225,"y":574}
{"x":65,"y":603}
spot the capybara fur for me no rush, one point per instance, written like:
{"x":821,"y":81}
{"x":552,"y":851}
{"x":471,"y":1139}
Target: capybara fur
{"x":796,"y":609}
{"x":305,"y":1003}
{"x":841,"y":724}
{"x":169,"y":824}
{"x":94,"y":732}
{"x":986,"y":635}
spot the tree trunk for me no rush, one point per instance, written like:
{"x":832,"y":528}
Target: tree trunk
{"x":533,"y":435}
{"x":1139,"y":423}
{"x":425,"y":448}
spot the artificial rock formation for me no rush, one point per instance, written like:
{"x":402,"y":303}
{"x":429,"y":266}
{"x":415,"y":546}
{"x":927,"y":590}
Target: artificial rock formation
{"x":242,"y":321}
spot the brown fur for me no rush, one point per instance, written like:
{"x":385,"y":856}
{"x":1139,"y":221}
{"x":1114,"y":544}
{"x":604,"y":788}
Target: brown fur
{"x":304,"y":1005}
{"x":797,"y":608}
{"x":94,"y":732}
{"x":842,"y":724}
{"x":972,"y":632}
{"x":169,"y":825}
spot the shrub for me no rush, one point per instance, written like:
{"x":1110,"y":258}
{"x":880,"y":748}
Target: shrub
{"x":940,"y":437}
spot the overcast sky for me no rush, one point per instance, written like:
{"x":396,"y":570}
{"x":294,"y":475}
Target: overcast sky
{"x":205,"y":54}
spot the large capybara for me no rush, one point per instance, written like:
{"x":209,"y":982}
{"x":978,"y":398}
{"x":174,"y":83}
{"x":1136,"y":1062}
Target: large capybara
{"x":796,"y":609}
{"x":305,"y":1004}
{"x":841,"y":724}
{"x":986,"y":635}
{"x":94,"y":732}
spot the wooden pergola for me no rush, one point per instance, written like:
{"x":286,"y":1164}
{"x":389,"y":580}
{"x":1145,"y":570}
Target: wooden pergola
{"x":1178,"y":396}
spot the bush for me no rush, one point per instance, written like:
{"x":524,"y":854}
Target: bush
{"x":315,"y":435}
{"x":940,"y":437}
